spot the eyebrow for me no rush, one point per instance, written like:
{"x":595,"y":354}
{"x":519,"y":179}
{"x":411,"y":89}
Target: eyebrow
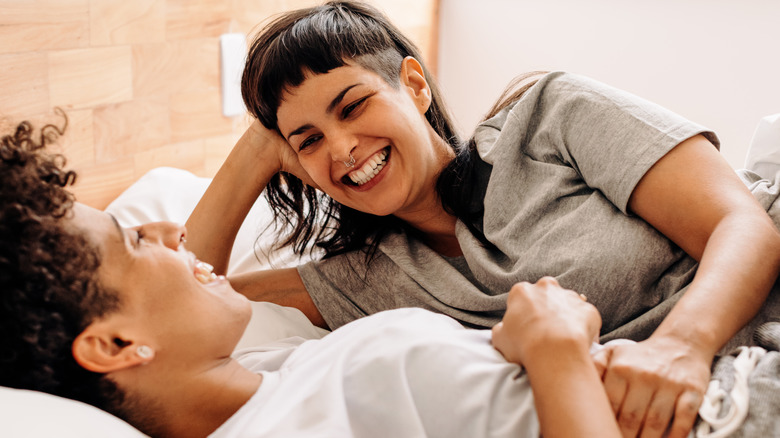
{"x":333,"y":104}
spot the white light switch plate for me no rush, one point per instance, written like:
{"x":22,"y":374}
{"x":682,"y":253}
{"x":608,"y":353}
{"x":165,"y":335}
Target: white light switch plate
{"x":233,"y":56}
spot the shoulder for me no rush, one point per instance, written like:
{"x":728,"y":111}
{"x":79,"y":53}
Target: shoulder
{"x":561,"y":103}
{"x":557,"y":89}
{"x":551,"y":90}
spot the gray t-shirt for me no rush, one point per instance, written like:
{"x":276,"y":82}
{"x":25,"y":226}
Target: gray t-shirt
{"x":559,"y":168}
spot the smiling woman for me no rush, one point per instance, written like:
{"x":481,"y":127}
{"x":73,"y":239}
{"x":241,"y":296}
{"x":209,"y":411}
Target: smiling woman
{"x":617,"y":198}
{"x":377,"y":125}
{"x":152,"y":273}
{"x":408,"y":108}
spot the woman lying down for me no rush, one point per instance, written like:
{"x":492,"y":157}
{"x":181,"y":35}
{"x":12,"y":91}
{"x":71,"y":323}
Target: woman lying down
{"x":129,"y":321}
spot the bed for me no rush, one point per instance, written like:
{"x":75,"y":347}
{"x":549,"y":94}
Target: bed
{"x":167,"y":193}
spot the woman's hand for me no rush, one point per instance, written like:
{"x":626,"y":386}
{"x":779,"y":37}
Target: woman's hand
{"x":549,"y":330}
{"x":654,"y":386}
{"x":257,"y":156}
{"x":544,"y":315}
{"x":271,"y":146}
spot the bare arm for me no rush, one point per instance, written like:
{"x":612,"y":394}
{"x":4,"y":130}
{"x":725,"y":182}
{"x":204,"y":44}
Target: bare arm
{"x":213,"y":225}
{"x":280,"y":286}
{"x":694,"y":198}
{"x":548,"y":330}
{"x":568,"y":394}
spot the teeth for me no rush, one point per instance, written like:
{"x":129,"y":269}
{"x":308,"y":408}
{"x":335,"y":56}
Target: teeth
{"x":203,"y":272}
{"x":370,"y":169}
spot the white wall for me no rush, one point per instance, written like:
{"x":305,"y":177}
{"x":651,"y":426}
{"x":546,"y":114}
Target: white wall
{"x":716,"y":62}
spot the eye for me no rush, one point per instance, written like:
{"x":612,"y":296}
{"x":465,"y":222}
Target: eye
{"x":308,"y":142}
{"x":139,"y":236}
{"x":352,"y":107}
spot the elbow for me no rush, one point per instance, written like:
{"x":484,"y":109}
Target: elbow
{"x":769,"y":242}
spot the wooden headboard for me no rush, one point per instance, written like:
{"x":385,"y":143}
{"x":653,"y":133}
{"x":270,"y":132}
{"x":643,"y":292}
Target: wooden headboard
{"x":140,"y":80}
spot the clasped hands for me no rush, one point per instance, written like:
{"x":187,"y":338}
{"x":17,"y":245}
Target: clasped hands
{"x":654,"y":387}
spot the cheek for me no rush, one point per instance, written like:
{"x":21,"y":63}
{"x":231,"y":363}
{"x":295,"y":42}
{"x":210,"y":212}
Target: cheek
{"x":318,"y":166}
{"x":246,"y":313}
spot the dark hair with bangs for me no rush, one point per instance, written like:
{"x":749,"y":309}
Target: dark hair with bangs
{"x":322,"y":38}
{"x":315,"y":41}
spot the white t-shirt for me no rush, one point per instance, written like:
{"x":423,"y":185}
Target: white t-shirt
{"x":400,"y":373}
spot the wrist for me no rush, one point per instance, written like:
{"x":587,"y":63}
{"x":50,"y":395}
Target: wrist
{"x":255,"y":153}
{"x":555,"y":346}
{"x":694,"y":342}
{"x":556,"y":358}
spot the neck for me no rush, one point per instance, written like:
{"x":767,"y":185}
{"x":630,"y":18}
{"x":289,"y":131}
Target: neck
{"x":191,"y":402}
{"x":438,"y":228}
{"x":428,"y":214}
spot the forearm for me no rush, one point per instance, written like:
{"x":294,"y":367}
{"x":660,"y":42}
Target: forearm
{"x":279,"y":286}
{"x":739,"y":265}
{"x":568,"y":394}
{"x":694,"y":198}
{"x":213,"y":225}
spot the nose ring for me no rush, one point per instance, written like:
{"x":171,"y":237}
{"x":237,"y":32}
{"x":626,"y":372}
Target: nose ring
{"x":351,"y":162}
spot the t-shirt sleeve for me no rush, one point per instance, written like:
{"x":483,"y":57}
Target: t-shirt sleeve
{"x":609,"y":136}
{"x":403,"y":273}
{"x":343,"y":289}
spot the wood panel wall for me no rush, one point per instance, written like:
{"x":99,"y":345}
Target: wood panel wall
{"x":140,"y":79}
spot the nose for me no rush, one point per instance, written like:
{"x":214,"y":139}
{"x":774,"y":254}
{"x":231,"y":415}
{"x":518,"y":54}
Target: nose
{"x":341,"y":147}
{"x":165,"y":233}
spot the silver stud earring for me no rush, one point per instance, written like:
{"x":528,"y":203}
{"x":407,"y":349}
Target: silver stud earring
{"x":144,"y":351}
{"x":351,"y":162}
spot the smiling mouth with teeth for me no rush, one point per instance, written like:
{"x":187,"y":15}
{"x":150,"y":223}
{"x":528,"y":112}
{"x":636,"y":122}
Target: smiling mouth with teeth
{"x":204,"y":272}
{"x":370,"y":169}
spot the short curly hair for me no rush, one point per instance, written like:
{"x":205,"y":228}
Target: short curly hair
{"x":49,"y":292}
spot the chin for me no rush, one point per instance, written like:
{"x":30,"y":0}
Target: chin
{"x":382,"y":211}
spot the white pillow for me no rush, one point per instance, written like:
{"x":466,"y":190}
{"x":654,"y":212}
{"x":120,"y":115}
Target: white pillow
{"x":170,"y":194}
{"x":35,"y":414}
{"x":162,"y":194}
{"x":763,"y":156}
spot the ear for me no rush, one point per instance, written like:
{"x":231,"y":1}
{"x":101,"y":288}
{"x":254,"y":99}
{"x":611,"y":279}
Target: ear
{"x":101,"y":350}
{"x":413,"y":78}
